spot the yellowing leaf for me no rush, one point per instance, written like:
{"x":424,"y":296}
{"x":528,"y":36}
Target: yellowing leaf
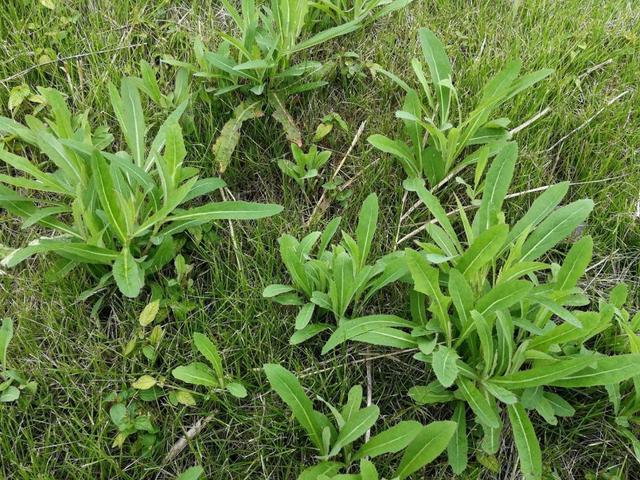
{"x":149,"y":313}
{"x":145,"y":382}
{"x":185,"y":398}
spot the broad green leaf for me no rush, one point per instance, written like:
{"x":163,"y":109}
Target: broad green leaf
{"x":204,"y":186}
{"x":608,"y":370}
{"x":565,"y":333}
{"x":132,"y":120}
{"x":368,"y":470}
{"x":6,"y":334}
{"x":325,"y":36}
{"x":327,"y":235}
{"x":106,"y":193}
{"x":276,"y":289}
{"x":498,"y":86}
{"x":478,"y":403}
{"x":457,"y":450}
{"x":430,"y":442}
{"x":128,"y":275}
{"x":483,"y":250}
{"x":183,"y":219}
{"x":555,"y":228}
{"x":149,"y":313}
{"x":387,"y":337}
{"x":236,"y":389}
{"x":22,"y":164}
{"x":304,"y":316}
{"x":540,"y":208}
{"x":209,"y":350}
{"x":290,"y":391}
{"x":350,"y":329}
{"x":308,"y":332}
{"x":430,"y":394}
{"x":192,"y":473}
{"x":544,"y":374}
{"x":145,"y":382}
{"x":439,"y":68}
{"x":354,"y":401}
{"x":367,"y":222}
{"x":462,"y":297}
{"x":502,"y":394}
{"x":396,"y":148}
{"x":520,"y":269}
{"x":391,"y":440}
{"x":426,"y":280}
{"x":355,"y":427}
{"x":485,"y":335}
{"x":10,"y":394}
{"x":560,"y":406}
{"x":444,"y":362}
{"x":196,"y":373}
{"x":526,"y":442}
{"x":76,"y":251}
{"x":496,"y":186}
{"x":321,"y":470}
{"x":343,"y":282}
{"x":503,"y":296}
{"x":171,"y":164}
{"x":433,"y":204}
{"x":575,"y":263}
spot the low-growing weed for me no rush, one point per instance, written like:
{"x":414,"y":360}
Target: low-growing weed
{"x":257,"y":71}
{"x":492,"y":320}
{"x":131,"y":421}
{"x":13,"y":383}
{"x":433,"y":140}
{"x":213,"y":377}
{"x":306,"y":166}
{"x":340,"y":442}
{"x":333,"y":279}
{"x":116,"y":212}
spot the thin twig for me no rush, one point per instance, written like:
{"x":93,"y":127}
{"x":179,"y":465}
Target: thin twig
{"x":589,"y":120}
{"x":594,"y":68}
{"x":190,"y":434}
{"x":313,"y":371}
{"x":70,"y":57}
{"x":404,"y":201}
{"x":367,"y":435}
{"x":322,"y":203}
{"x":524,"y":125}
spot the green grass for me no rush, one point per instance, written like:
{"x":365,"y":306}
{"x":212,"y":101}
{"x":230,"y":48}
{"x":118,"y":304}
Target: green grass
{"x":76,"y":359}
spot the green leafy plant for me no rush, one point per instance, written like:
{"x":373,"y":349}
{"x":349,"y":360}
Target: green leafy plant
{"x":625,"y":396}
{"x":148,"y":84}
{"x":145,"y":341}
{"x":306,"y":166}
{"x":326,"y":126}
{"x":257,"y":69}
{"x":213,"y":377}
{"x":340,"y":443}
{"x":192,"y":473}
{"x":433,"y":143}
{"x":13,"y":384}
{"x":492,"y":320}
{"x":117,"y":212}
{"x":131,"y":421}
{"x":342,"y":11}
{"x":337,"y":280}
